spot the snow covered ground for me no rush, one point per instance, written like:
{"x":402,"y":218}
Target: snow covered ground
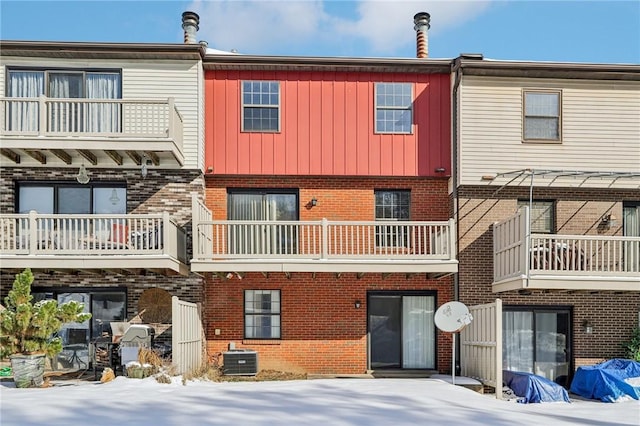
{"x":326,"y":402}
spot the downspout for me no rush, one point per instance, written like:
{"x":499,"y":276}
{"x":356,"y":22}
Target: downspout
{"x":457,"y":71}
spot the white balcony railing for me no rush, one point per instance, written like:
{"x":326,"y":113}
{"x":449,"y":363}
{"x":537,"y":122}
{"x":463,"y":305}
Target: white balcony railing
{"x":36,"y":234}
{"x":518,"y":253}
{"x":124,"y":118}
{"x":240,"y":239}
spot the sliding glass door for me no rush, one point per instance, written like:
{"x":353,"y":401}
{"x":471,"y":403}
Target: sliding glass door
{"x":631,"y":228}
{"x":401,"y":331}
{"x":538,"y":341}
{"x":257,"y":238}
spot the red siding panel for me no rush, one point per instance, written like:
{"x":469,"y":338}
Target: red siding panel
{"x":327,"y":126}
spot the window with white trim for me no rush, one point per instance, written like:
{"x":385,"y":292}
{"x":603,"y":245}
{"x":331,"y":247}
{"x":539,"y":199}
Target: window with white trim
{"x":260,"y":106}
{"x":542,"y":113}
{"x":393,"y":107}
{"x":262,"y":314}
{"x":542,"y":214}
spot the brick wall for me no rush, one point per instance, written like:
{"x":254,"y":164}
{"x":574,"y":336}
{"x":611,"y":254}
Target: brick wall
{"x":322,"y":331}
{"x":578,"y":211}
{"x":339,"y":198}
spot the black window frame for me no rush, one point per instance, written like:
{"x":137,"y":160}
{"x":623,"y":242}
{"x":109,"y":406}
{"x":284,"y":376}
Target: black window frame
{"x":67,"y":184}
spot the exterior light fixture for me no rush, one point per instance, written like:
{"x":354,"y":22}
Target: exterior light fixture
{"x":314,"y":202}
{"x":357,"y":304}
{"x":608,"y":221}
{"x":587,"y":326}
{"x":82,"y":176}
{"x":114,"y":197}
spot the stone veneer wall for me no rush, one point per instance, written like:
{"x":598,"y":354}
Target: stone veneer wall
{"x":578,"y":211}
{"x":162,"y":190}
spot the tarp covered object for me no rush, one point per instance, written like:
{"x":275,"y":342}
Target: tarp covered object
{"x":606,"y":381}
{"x":532,"y":388}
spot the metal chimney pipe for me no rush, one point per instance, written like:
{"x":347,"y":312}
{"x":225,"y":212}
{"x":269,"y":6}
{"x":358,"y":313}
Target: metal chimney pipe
{"x":422,"y":23}
{"x":190,"y":21}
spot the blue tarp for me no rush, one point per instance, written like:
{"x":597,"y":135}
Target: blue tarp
{"x":606,"y":381}
{"x":532,"y":388}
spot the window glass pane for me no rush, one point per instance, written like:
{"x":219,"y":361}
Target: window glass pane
{"x":66,"y":85}
{"x":542,"y":116}
{"x":261,"y":101}
{"x":262,"y":314}
{"x":35,"y":198}
{"x":25,"y":84}
{"x":541,"y":215}
{"x":109,"y":200}
{"x":541,"y":128}
{"x":75,"y":200}
{"x":541,"y":104}
{"x":393,"y":107}
{"x":107,"y":307}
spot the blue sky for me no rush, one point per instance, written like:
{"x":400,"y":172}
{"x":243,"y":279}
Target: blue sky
{"x":573,"y":31}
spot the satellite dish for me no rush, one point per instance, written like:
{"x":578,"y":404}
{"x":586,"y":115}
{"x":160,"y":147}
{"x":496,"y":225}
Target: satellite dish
{"x":452,"y":317}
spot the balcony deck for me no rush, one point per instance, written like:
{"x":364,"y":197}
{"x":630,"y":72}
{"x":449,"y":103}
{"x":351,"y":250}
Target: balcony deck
{"x":322,"y":246}
{"x":524,"y":261}
{"x":120,"y":243}
{"x":40,"y":129}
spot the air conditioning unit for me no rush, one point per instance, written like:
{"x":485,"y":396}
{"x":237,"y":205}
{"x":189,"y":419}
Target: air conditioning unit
{"x":240,"y":362}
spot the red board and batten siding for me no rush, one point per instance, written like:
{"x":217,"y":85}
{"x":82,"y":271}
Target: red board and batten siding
{"x":327,"y":126}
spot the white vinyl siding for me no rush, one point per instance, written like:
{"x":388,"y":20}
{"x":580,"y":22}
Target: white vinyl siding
{"x":600,"y":129}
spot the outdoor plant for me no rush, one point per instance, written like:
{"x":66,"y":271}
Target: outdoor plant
{"x":632,"y":346}
{"x":28,"y":328}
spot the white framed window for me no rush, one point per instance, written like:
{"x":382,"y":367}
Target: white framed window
{"x":542,"y":215}
{"x":260,"y":106}
{"x":393,"y":107}
{"x":262,"y":314}
{"x":542,"y":115}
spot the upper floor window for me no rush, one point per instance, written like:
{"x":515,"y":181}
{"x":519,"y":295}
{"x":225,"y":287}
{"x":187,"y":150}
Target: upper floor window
{"x":66,"y":114}
{"x":542,"y":115}
{"x":393,"y":107}
{"x":392,"y":206}
{"x":542,"y":214}
{"x":260,"y":106}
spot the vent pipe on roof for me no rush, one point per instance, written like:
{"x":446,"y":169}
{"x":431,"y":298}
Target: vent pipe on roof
{"x":190,"y":21}
{"x":422,"y":24}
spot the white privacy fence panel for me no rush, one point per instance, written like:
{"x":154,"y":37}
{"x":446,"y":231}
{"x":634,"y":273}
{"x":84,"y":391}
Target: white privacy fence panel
{"x":187,"y":338}
{"x":510,"y":246}
{"x":481,"y":345}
